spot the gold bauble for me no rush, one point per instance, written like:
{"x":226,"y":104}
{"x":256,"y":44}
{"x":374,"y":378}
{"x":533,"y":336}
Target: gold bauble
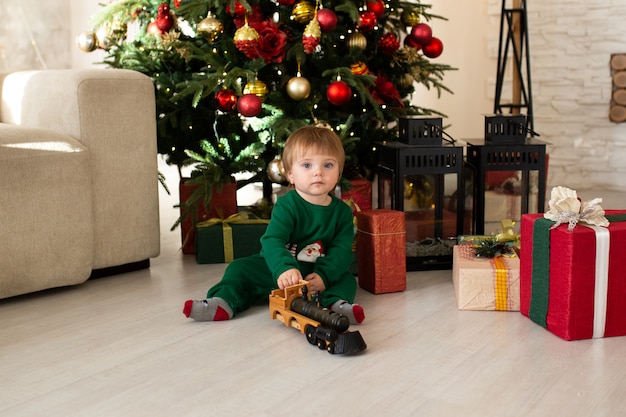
{"x":410,"y":18}
{"x":298,"y":88}
{"x":210,"y":28}
{"x":246,"y":33}
{"x":359,"y":68}
{"x":357,"y":40}
{"x":247,"y":40}
{"x":313,"y":29}
{"x":276,"y":171}
{"x":303,"y":12}
{"x":103,"y":35}
{"x":258,"y":88}
{"x":87,"y":41}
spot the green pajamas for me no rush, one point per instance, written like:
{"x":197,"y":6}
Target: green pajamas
{"x":248,"y":281}
{"x":300,"y":235}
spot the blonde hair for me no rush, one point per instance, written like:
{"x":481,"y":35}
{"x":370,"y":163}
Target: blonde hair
{"x":319,"y":139}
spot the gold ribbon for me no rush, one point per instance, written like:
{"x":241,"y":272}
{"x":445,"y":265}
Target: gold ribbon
{"x":227,"y":231}
{"x":501,"y":283}
{"x":502,"y":271}
{"x":507,"y":235}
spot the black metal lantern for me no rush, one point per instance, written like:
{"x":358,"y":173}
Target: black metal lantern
{"x":508,"y":173}
{"x":422,"y":175}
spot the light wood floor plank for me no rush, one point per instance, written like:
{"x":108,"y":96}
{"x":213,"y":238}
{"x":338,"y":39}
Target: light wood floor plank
{"x":120,"y":346}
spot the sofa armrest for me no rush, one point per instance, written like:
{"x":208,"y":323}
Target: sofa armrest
{"x":112,"y":112}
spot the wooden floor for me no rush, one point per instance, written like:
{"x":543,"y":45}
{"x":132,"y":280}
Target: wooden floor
{"x":120,"y":346}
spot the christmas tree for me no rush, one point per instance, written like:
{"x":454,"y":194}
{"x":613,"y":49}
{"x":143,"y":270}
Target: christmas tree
{"x":234,"y":78}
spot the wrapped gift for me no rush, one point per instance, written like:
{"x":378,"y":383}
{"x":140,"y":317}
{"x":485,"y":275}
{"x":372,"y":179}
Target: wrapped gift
{"x":360,"y":193}
{"x":223,"y":203}
{"x":222,"y":240}
{"x":381,"y":250}
{"x":572,"y":275}
{"x":485,"y":283}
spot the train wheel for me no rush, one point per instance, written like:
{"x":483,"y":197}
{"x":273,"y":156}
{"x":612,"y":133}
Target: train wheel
{"x":309,"y":332}
{"x":330,"y":348}
{"x":321,"y":343}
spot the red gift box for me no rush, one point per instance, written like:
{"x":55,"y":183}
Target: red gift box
{"x":381,"y":250}
{"x":572,"y":282}
{"x":223,"y":204}
{"x":360,"y":193}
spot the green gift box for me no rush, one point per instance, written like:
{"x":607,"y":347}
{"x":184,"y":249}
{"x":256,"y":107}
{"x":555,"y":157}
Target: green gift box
{"x":222,"y":240}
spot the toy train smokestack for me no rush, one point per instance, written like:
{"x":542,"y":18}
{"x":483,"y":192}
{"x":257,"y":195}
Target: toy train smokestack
{"x":324,"y":328}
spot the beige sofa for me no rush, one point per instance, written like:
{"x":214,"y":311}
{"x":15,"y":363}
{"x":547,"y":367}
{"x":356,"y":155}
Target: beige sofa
{"x":78,"y":176}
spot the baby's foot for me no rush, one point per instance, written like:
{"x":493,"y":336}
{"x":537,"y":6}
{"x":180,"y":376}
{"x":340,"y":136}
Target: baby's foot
{"x":353,"y":312}
{"x":212,"y":309}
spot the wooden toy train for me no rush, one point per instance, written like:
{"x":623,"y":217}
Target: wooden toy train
{"x":324,"y":328}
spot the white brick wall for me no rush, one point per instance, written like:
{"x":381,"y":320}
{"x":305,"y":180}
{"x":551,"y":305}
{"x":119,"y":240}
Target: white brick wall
{"x":571,"y":42}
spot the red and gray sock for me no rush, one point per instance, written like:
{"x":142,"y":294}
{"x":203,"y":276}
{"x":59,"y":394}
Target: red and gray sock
{"x":353,"y":312}
{"x":211,"y":309}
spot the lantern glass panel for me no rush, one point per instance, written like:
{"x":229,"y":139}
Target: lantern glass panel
{"x":424,"y":182}
{"x":506,"y":181}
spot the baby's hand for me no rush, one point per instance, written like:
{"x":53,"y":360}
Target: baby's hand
{"x":288,"y":278}
{"x":316,"y":283}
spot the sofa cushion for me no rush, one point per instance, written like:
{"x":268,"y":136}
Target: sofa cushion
{"x":46,"y":238}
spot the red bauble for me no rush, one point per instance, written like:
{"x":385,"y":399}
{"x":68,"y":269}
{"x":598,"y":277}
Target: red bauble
{"x":164,"y":18}
{"x":408,"y":41}
{"x":249,"y":105}
{"x":339,"y":93}
{"x":434,"y":48}
{"x":286,"y":2}
{"x":421,"y":33}
{"x":388,"y":44}
{"x":377,"y":7}
{"x":367,"y":21}
{"x":327,"y":20}
{"x":247,"y":41}
{"x":226,"y":100}
{"x":240,"y":10}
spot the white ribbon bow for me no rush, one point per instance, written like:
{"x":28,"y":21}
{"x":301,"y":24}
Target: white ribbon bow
{"x":565,"y":207}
